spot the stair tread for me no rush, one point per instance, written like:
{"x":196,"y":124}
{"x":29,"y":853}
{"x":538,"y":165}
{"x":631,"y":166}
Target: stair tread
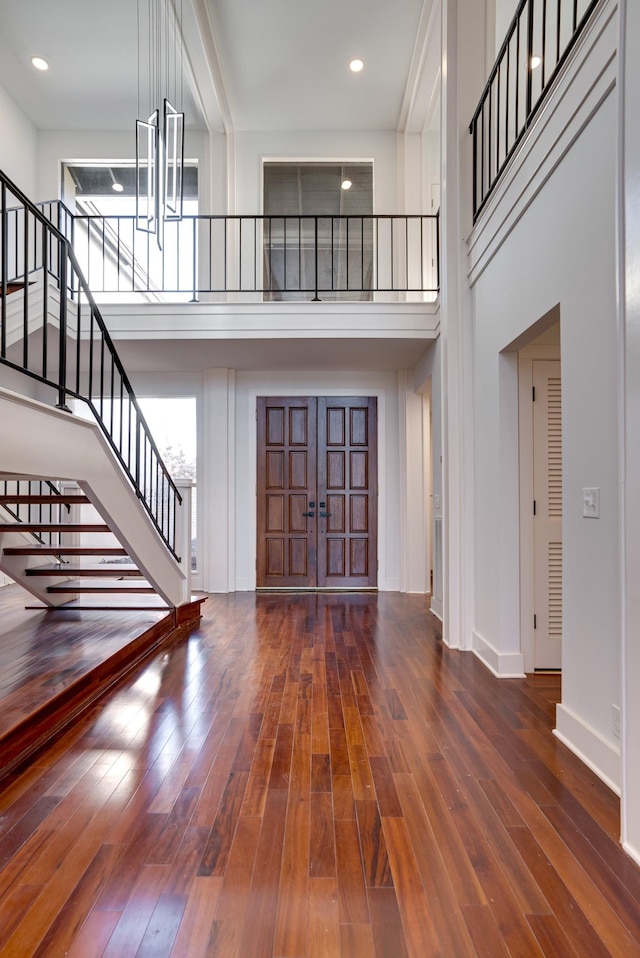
{"x":54,"y":500}
{"x":53,"y":527}
{"x":65,"y":550}
{"x":75,"y":606}
{"x":115,"y":588}
{"x":112,"y":571}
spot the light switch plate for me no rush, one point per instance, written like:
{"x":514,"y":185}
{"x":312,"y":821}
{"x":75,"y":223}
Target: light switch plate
{"x":591,"y":502}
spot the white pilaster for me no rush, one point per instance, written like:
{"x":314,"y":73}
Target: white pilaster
{"x":463,"y":68}
{"x":218,"y":486}
{"x":629,"y":378}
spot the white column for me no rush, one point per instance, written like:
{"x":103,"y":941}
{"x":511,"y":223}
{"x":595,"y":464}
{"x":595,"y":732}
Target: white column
{"x":217,"y":490}
{"x":463,"y":76}
{"x":415,"y":496}
{"x":629,"y":377}
{"x":183,"y":532}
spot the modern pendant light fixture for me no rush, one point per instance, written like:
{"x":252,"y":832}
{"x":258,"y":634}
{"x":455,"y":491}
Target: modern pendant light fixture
{"x":159,"y":138}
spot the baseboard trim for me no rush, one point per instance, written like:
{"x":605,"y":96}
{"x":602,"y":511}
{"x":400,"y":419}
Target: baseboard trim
{"x":504,"y":665}
{"x":589,"y":746}
{"x":632,"y":852}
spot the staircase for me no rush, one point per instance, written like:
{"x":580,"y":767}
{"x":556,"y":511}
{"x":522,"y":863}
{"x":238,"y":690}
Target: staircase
{"x":89,"y":516}
{"x":50,"y":560}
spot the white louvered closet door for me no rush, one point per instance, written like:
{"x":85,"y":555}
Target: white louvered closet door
{"x":547,"y":523}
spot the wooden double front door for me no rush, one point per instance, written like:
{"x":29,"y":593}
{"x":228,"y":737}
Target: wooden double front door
{"x":317,"y":492}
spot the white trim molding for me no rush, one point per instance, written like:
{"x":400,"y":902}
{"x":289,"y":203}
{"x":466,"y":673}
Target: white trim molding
{"x":504,"y":665}
{"x":584,"y":741}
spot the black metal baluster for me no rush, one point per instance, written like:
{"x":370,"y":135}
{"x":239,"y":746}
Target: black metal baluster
{"x":78,"y":341}
{"x":25,"y":298}
{"x":438,"y":249}
{"x":316,"y":298}
{"x":482,"y":153}
{"x":300,"y":253}
{"x":332,"y":254}
{"x":5,"y":272}
{"x":406,"y":252}
{"x":529,"y":58}
{"x":490,"y":137}
{"x":90,"y":383}
{"x":45,"y":303}
{"x":347,"y":285}
{"x":284,"y":251}
{"x":517,"y":127}
{"x":498,"y":120}
{"x":62,"y":371}
{"x":543,"y":50}
{"x":508,"y":99}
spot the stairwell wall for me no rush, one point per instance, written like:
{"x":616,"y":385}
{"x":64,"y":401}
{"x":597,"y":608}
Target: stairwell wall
{"x":560,"y":251}
{"x":18,"y":144}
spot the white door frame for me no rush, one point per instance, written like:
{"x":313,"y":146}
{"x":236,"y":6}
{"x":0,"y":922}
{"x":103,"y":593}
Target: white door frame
{"x":526,"y":357}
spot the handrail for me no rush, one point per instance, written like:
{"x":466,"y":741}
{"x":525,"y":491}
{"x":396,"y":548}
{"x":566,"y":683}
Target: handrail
{"x":276,"y":256}
{"x":540,"y":37}
{"x":85,"y":366}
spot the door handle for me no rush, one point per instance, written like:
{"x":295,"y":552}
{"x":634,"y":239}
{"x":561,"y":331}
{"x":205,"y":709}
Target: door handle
{"x":311,"y":515}
{"x":324,"y":515}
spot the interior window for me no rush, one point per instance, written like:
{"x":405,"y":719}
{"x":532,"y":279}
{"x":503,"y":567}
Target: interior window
{"x":324,"y":209}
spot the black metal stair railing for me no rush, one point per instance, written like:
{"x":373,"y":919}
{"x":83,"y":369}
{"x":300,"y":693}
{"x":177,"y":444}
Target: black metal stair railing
{"x":52,"y":331}
{"x":539,"y":40}
{"x":337,"y":258}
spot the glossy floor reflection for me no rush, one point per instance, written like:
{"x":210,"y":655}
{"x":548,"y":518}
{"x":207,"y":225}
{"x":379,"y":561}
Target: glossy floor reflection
{"x":313,"y":776}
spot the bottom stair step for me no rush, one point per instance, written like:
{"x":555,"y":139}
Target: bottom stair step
{"x":114,"y":588}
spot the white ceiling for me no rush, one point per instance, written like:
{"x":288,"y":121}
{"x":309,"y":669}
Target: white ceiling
{"x":267,"y":64}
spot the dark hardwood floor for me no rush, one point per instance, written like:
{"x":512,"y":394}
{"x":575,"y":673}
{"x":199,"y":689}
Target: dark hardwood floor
{"x":313,"y":776}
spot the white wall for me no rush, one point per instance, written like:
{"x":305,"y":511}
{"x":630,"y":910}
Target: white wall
{"x":505,"y":10}
{"x":252,"y":148}
{"x":56,"y":146}
{"x":561,"y":251}
{"x":629,"y":203}
{"x":18,"y":142}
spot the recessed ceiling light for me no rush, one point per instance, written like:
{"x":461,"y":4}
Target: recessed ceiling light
{"x":39,"y":63}
{"x":346,"y":184}
{"x":356,"y":65}
{"x":535,"y":62}
{"x":118,"y":187}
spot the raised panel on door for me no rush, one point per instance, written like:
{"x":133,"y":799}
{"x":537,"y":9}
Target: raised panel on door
{"x":347,"y":492}
{"x":287,"y":467}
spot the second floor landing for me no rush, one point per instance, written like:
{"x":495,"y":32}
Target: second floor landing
{"x":316,"y":335}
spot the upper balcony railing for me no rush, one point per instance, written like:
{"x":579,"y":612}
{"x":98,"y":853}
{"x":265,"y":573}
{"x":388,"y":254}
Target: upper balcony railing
{"x":271,"y":258}
{"x":540,"y":38}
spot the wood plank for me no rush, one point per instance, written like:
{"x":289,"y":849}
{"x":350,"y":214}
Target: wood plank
{"x":348,"y":785}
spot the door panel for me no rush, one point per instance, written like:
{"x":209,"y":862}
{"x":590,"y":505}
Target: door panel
{"x":317,"y":492}
{"x":285,"y":491}
{"x":347,"y":485}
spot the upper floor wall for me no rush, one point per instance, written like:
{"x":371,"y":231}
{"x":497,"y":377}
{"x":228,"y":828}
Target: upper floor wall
{"x":18,"y":144}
